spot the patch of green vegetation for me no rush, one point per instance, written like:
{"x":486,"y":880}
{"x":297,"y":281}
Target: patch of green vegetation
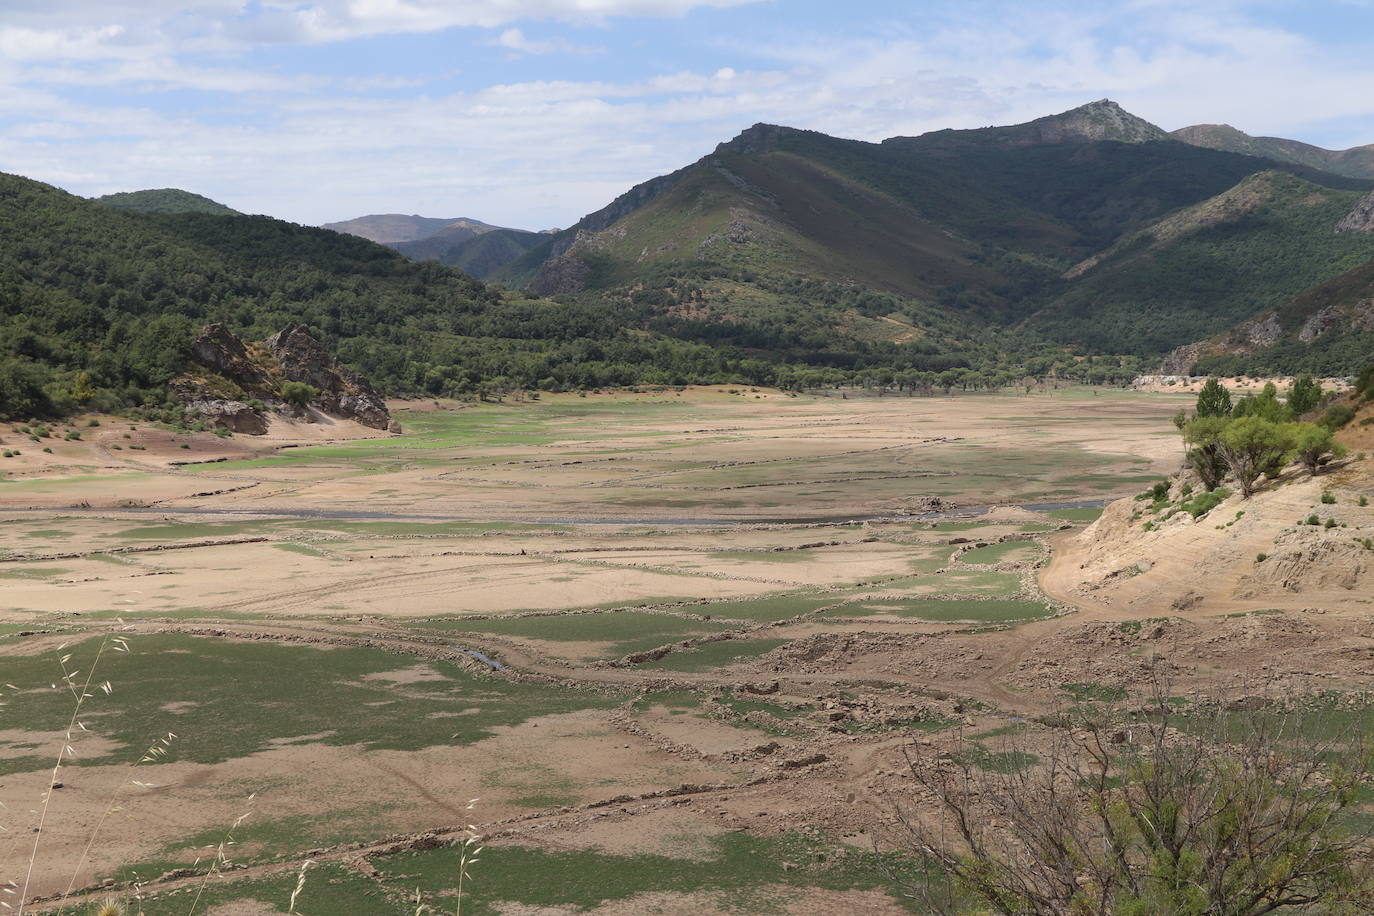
{"x":780,"y":607}
{"x":715,"y":654}
{"x":17,"y":571}
{"x":583,"y":879}
{"x":298,"y":547}
{"x":1093,"y":692}
{"x":177,"y":531}
{"x":1085,"y":514}
{"x":856,"y":727}
{"x":1008,"y":761}
{"x":330,"y":889}
{"x":976,"y":582}
{"x":743,"y":707}
{"x":996,"y":553}
{"x":627,"y":631}
{"x":949,"y":609}
{"x":245,"y":698}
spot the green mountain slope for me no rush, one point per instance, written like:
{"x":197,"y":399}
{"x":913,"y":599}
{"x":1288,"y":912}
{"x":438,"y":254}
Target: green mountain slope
{"x":1327,"y":330}
{"x":479,"y":254}
{"x":1206,"y":267}
{"x":99,"y":306}
{"x":1353,"y":163}
{"x":982,"y":227}
{"x":165,"y":200}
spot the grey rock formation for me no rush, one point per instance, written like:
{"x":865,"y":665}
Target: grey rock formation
{"x":1360,"y":219}
{"x":302,"y":358}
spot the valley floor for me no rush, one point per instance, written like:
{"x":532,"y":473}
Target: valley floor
{"x":675,"y":644}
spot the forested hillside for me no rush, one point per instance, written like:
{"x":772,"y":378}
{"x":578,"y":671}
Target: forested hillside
{"x":98,"y":307}
{"x":1046,"y":227}
{"x":165,"y":200}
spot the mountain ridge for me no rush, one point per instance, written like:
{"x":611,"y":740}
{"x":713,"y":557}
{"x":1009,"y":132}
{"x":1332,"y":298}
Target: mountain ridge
{"x":1356,"y":162}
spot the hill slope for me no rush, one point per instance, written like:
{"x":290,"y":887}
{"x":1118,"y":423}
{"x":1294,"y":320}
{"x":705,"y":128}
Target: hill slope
{"x":480,"y":255}
{"x":1354,"y":163}
{"x":99,"y":308}
{"x":1208,"y":266}
{"x":956,"y":227}
{"x":165,"y":200}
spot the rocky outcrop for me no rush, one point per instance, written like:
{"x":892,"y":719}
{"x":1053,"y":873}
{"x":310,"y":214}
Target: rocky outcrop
{"x":565,"y":274}
{"x":220,"y":350}
{"x":342,"y":393}
{"x":242,"y":383}
{"x":1360,"y":219}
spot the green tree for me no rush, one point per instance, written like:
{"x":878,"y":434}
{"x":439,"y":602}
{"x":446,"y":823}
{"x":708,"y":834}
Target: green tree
{"x":21,"y":389}
{"x":1265,"y":405}
{"x":1214,"y":400}
{"x":1312,"y":444}
{"x":1305,"y":395}
{"x":298,"y":394}
{"x":1253,"y":446}
{"x":1202,"y":437}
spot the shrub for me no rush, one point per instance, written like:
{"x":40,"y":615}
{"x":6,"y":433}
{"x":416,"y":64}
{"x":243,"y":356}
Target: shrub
{"x":1330,"y":523}
{"x":1328,"y":498}
{"x":1336,"y":416}
{"x":92,"y":423}
{"x":1203,"y":503}
{"x":1261,"y":557}
{"x":1314,"y":446}
{"x":1219,"y":816}
{"x":1364,"y":501}
{"x":1313,"y":520}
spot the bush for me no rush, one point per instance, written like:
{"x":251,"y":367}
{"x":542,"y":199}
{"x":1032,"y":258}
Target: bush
{"x":1203,"y":503}
{"x":1330,"y":523}
{"x":1261,"y":557}
{"x":1328,"y":498}
{"x":1313,"y":520}
{"x":1336,"y":416}
{"x":1208,"y":813}
{"x":1364,"y":501}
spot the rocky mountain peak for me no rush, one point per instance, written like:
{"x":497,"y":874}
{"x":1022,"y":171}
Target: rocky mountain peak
{"x":1100,"y":120}
{"x":760,"y":138}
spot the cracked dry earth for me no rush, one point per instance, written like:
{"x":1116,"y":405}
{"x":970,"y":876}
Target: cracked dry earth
{"x":667,"y":711}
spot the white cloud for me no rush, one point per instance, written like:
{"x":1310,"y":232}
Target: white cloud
{"x":544,"y":152}
{"x":515,"y":40}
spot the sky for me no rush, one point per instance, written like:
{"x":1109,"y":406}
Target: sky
{"x":531,"y":113}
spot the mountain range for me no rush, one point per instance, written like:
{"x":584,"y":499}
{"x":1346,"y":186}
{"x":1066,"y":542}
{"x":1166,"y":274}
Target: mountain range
{"x":1089,"y":244}
{"x":475,"y":247}
{"x":1094,"y":228}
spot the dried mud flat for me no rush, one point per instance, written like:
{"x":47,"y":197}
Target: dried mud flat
{"x":676,"y":643}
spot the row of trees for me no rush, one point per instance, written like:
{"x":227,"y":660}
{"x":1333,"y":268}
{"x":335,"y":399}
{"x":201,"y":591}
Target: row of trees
{"x":1256,"y":436}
